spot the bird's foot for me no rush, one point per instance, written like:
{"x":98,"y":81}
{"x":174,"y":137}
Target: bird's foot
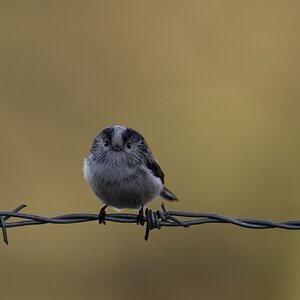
{"x":140,"y":217}
{"x":102,"y":214}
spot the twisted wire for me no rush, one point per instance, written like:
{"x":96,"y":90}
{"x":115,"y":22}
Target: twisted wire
{"x":153,"y":219}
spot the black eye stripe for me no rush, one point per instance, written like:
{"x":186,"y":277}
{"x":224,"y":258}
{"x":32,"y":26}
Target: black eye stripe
{"x":131,"y":135}
{"x":107,"y":133}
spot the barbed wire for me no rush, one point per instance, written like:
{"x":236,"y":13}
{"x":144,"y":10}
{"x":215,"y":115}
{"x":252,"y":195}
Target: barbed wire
{"x":153,"y":219}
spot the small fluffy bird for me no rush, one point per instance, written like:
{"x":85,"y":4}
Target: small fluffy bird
{"x":122,"y":170}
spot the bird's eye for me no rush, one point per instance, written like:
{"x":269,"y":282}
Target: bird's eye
{"x":106,"y":143}
{"x":128,"y":145}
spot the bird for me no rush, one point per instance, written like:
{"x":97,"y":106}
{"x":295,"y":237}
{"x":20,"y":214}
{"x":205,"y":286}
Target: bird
{"x":122,"y":171}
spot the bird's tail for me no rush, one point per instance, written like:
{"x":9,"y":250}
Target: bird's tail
{"x":165,"y":193}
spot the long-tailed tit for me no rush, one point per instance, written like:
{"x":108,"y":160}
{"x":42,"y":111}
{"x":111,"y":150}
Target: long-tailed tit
{"x":122,"y":170}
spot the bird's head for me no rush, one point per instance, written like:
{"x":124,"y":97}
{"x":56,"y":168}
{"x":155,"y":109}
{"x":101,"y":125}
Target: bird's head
{"x":119,"y":144}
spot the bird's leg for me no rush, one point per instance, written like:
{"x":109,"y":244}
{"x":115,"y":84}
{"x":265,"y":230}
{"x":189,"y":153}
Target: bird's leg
{"x":140,"y":217}
{"x":102,"y":214}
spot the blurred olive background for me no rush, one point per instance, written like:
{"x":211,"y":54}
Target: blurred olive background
{"x":214,"y":88}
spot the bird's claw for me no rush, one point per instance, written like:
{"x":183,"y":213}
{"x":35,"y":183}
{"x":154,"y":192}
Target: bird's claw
{"x":102,"y":214}
{"x":140,"y":217}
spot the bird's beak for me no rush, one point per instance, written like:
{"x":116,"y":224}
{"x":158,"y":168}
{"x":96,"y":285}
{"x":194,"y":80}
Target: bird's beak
{"x":116,"y":148}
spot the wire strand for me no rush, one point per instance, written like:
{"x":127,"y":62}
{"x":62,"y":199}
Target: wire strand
{"x":153,"y":219}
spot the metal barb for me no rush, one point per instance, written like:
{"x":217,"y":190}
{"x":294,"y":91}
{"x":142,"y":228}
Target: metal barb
{"x":3,"y":225}
{"x":4,"y":232}
{"x":154,"y":220}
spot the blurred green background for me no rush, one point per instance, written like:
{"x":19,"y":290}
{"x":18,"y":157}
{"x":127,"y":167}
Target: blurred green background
{"x":214,"y":88}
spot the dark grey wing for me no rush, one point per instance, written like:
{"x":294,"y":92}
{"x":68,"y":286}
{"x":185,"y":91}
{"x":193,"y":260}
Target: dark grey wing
{"x":157,"y":171}
{"x":155,"y":168}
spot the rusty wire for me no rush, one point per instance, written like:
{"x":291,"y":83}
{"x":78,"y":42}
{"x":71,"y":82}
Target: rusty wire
{"x":153,"y":219}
